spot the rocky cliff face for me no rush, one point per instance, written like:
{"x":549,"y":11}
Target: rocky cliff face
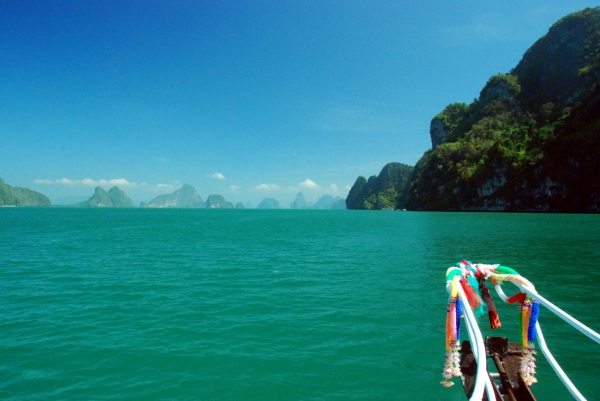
{"x":531,"y":142}
{"x":438,"y":131}
{"x":563,"y":63}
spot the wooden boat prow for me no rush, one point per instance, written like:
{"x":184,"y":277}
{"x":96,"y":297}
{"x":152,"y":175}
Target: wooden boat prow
{"x":507,"y":358}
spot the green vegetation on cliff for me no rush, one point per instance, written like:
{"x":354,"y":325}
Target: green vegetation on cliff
{"x":531,"y":142}
{"x":16,"y":196}
{"x":387,"y":190}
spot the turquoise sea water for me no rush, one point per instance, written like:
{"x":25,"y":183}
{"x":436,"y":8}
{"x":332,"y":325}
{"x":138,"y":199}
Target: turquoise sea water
{"x":270,"y":305}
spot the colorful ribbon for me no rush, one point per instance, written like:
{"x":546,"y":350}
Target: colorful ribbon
{"x":472,"y":280}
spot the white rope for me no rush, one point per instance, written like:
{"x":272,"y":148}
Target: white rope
{"x":559,"y":372}
{"x":500,"y":292}
{"x":482,"y":378}
{"x":476,"y":350}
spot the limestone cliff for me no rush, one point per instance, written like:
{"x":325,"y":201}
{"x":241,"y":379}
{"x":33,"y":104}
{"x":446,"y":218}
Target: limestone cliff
{"x":531,"y":141}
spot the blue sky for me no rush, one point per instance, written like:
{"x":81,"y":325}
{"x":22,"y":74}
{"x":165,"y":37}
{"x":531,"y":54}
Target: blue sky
{"x":247,"y":99}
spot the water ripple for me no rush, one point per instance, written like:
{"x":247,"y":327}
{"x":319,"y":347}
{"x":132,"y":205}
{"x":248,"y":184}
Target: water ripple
{"x":202,"y":304}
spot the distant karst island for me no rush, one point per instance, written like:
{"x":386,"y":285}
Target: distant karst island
{"x":188,"y":197}
{"x":529,"y":143}
{"x":184,"y":197}
{"x":113,"y":198}
{"x":325,"y":202}
{"x":268,"y":203}
{"x":16,"y":196}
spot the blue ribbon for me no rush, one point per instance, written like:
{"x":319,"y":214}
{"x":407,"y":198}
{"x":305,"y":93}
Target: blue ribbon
{"x":533,"y":318}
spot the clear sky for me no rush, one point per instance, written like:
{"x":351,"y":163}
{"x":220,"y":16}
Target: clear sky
{"x":247,"y":99}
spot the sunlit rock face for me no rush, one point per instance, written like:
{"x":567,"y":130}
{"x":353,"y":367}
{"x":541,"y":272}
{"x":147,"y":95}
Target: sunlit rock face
{"x":438,"y":132}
